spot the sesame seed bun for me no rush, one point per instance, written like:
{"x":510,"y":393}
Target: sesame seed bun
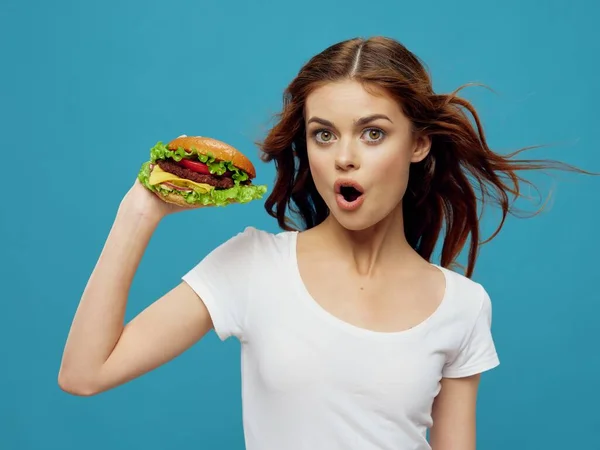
{"x":220,"y":150}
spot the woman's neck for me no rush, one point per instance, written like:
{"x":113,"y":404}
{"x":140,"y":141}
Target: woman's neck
{"x":371,"y":248}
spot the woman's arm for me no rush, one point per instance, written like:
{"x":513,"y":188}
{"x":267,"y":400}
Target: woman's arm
{"x":454,"y":414}
{"x":102,"y":352}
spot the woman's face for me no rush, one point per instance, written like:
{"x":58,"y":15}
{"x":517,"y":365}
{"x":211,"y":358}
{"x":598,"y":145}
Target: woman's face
{"x":355,"y":138}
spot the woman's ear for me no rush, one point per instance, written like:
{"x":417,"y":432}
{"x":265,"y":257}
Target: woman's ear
{"x":421,"y":148}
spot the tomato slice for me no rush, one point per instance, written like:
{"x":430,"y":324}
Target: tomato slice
{"x":196,"y":166}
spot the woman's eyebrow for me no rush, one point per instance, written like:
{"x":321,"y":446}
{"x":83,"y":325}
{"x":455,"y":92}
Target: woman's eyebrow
{"x":362,"y":121}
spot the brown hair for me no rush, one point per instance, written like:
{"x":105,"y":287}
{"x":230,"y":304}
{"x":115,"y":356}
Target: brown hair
{"x":439,"y":195}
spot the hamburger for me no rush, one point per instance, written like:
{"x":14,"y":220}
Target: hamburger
{"x":192,"y":171}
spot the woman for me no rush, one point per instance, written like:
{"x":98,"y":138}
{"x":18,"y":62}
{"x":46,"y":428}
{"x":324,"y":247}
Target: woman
{"x":351,"y":337}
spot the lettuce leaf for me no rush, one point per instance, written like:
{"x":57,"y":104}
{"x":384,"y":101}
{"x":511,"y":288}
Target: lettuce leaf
{"x":216,"y":197}
{"x":160,"y":151}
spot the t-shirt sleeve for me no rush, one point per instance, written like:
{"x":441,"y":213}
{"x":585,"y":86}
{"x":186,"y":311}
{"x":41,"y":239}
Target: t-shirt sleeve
{"x":478,"y":351}
{"x":222,"y":280}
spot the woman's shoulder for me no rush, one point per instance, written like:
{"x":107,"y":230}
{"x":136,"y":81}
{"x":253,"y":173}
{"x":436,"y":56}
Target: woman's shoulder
{"x":260,"y":241}
{"x":254,"y":233}
{"x":246,"y":251}
{"x":465,"y":293}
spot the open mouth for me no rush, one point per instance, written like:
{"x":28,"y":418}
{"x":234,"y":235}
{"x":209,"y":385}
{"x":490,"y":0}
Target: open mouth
{"x":349,"y":194}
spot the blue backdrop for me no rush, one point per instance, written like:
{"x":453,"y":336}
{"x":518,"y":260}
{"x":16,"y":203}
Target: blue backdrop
{"x":87,"y":88}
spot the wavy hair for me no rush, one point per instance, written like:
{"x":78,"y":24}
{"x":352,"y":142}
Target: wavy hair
{"x":441,"y":194}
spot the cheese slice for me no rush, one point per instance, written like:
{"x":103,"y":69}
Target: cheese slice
{"x":157,"y":176}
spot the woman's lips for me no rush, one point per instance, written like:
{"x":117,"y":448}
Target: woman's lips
{"x":348,"y":201}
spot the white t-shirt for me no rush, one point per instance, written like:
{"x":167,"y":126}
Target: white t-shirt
{"x":311,"y":381}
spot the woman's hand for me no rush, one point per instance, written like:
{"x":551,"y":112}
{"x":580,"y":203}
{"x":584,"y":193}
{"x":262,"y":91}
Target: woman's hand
{"x":142,"y":202}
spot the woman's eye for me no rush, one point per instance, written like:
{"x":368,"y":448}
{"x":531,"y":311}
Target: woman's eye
{"x":374,"y":134}
{"x":324,"y":136}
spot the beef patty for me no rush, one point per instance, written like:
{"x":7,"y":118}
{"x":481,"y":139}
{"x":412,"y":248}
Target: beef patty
{"x":184,"y":172}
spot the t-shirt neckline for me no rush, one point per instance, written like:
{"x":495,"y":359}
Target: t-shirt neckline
{"x":308,"y":300}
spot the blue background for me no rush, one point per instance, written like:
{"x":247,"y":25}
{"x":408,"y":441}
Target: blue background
{"x":87,"y":88}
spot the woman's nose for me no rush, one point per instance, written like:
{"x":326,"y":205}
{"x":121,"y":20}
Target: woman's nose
{"x":346,"y":158}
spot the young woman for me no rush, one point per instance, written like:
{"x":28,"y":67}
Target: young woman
{"x":351,"y":337}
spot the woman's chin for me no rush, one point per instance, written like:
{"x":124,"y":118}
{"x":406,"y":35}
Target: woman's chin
{"x":361,"y":217}
{"x":358,"y":220}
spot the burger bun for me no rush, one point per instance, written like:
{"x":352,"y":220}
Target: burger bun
{"x":221,"y":151}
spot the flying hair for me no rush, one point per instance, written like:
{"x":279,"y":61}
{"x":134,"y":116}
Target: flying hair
{"x":444,"y":190}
